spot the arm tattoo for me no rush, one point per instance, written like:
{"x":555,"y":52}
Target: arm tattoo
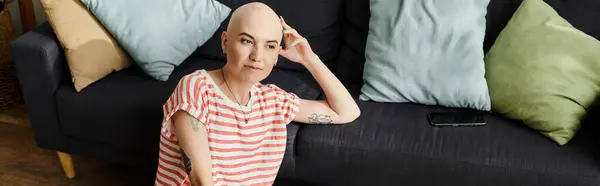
{"x":195,"y":123}
{"x":186,"y":162}
{"x":319,"y":119}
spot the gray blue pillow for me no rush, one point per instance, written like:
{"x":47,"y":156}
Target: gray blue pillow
{"x":159,"y":34}
{"x":427,"y":52}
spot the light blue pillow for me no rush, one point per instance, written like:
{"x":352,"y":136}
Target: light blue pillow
{"x":428,"y":52}
{"x":159,"y":34}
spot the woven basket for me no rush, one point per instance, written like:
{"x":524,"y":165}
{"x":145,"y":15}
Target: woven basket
{"x":10,"y":93}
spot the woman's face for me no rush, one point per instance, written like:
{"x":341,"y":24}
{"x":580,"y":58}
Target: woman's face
{"x":252,"y":46}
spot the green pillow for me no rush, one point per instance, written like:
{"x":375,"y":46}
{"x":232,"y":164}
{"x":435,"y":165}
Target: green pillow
{"x":159,"y":34}
{"x":543,"y":71}
{"x":427,"y":52}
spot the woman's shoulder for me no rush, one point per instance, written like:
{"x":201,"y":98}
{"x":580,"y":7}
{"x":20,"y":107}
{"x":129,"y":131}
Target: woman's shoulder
{"x":269,"y":88}
{"x":196,"y":75}
{"x":197,"y":80}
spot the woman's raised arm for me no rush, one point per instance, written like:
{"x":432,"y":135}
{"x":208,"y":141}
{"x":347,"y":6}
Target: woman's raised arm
{"x":339,"y":107}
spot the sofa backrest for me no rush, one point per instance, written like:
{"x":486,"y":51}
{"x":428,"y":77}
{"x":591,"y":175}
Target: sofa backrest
{"x":337,"y":29}
{"x":582,"y":14}
{"x":317,"y":20}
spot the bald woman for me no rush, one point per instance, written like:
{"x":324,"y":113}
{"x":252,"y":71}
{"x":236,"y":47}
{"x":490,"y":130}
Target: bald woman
{"x":231,"y":127}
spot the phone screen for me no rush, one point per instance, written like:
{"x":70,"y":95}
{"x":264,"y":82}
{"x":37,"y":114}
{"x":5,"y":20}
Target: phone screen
{"x":457,"y":118}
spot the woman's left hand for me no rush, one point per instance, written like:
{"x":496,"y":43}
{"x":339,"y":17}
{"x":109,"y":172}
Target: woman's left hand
{"x":297,"y":48}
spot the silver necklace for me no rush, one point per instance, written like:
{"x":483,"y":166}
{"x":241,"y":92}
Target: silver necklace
{"x":238,"y":102}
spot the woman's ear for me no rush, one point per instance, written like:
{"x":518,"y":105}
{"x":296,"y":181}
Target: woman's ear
{"x":224,"y":42}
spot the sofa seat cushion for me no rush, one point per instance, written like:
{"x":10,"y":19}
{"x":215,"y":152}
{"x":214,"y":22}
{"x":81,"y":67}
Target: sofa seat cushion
{"x":395,"y":144}
{"x":124,"y":109}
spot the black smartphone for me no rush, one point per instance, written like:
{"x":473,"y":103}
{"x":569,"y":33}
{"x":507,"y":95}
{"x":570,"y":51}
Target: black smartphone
{"x":456,"y":119}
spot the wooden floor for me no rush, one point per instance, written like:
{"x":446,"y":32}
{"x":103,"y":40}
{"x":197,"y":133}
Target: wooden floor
{"x":22,"y":163}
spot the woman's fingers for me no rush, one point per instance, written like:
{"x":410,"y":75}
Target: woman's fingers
{"x":288,"y":30}
{"x":298,"y":41}
{"x":285,"y":25}
{"x":292,"y":32}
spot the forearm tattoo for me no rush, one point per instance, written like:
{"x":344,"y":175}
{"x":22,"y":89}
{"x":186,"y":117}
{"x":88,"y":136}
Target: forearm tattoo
{"x":319,"y":119}
{"x":195,"y":124}
{"x":186,"y":162}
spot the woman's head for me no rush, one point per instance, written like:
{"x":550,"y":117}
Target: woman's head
{"x":252,"y":42}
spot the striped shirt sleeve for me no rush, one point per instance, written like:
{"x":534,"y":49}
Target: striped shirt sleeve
{"x":187,"y":97}
{"x":289,"y":103}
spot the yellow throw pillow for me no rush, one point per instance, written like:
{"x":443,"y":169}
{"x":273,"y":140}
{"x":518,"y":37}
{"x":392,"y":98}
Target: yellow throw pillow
{"x":91,"y":52}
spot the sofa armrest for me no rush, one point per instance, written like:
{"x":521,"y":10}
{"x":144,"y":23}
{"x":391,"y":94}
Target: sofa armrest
{"x":39,"y":55}
{"x":41,"y":68}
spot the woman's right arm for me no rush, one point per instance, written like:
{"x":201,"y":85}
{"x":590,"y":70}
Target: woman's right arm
{"x":193,"y":138}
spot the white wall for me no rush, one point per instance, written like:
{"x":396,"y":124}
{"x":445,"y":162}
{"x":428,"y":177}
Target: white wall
{"x":40,"y":16}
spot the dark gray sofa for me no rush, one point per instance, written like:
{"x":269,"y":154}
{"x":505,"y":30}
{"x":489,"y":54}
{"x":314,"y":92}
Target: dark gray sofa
{"x":118,"y":118}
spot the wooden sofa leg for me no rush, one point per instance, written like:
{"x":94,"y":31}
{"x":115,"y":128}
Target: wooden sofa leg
{"x":66,"y":160}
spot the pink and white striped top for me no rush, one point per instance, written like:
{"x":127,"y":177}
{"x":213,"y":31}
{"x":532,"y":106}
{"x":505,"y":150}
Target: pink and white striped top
{"x":242,"y":154}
